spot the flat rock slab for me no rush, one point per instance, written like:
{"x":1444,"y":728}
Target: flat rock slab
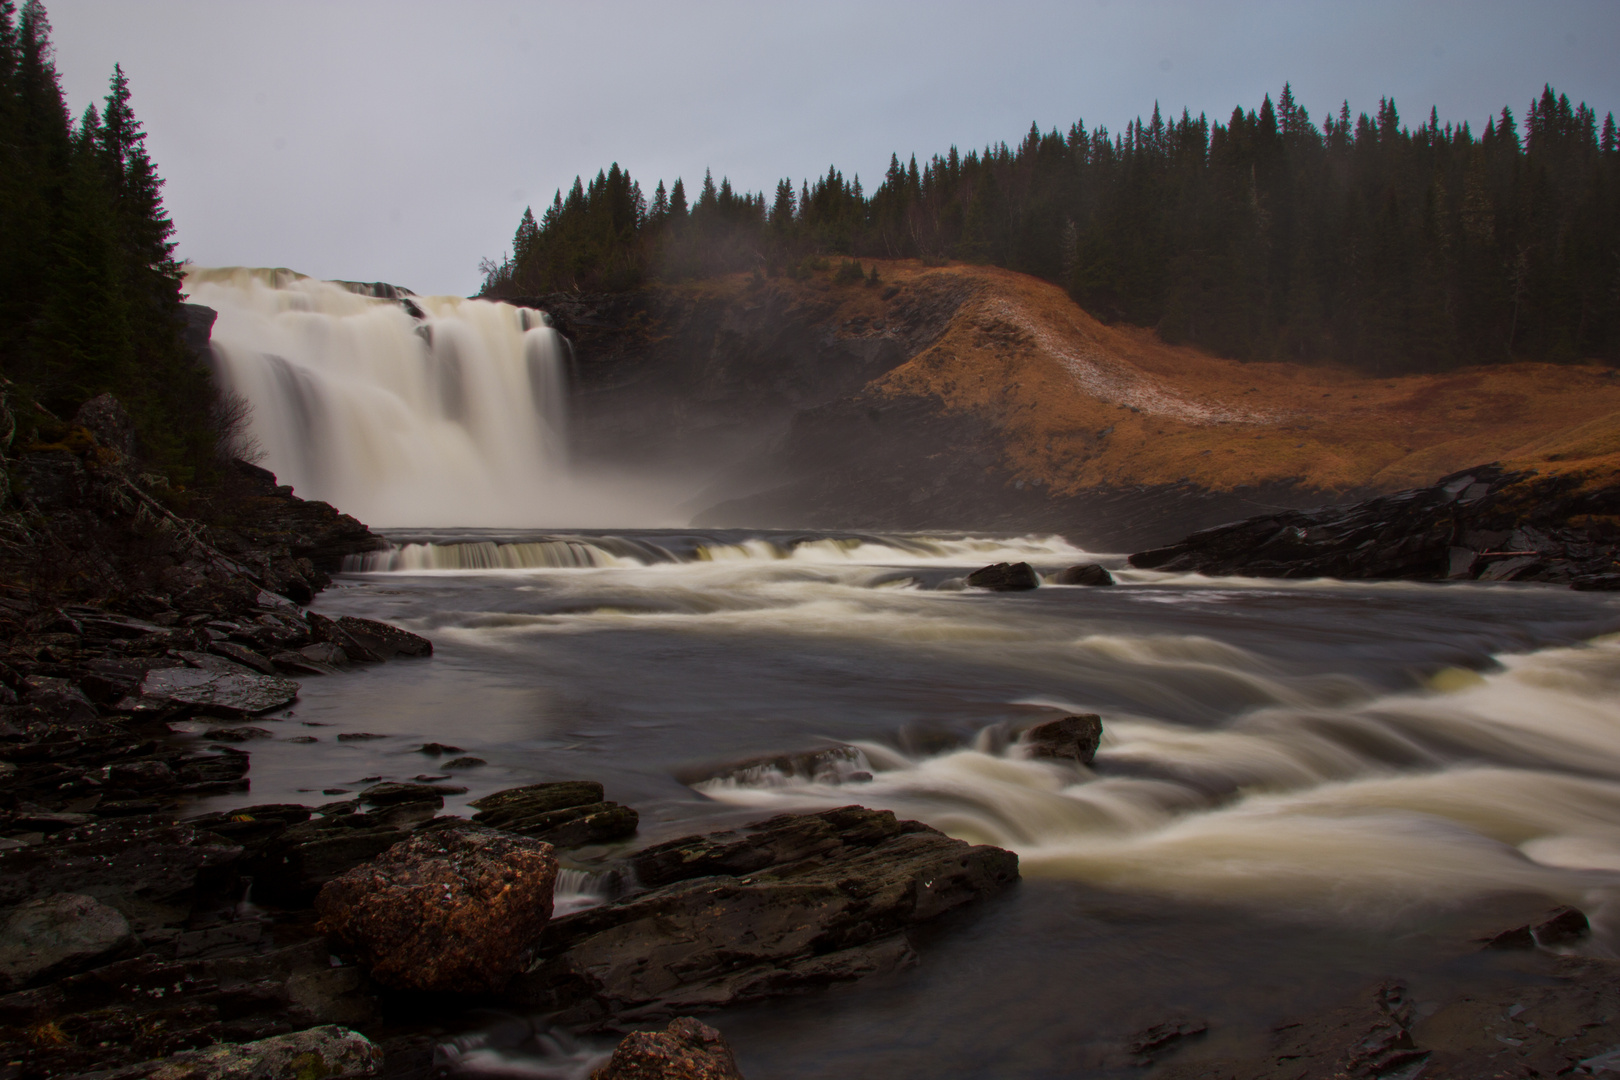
{"x":233,"y":693}
{"x":785,"y":905}
{"x":455,"y":909}
{"x":570,"y":813}
{"x":113,"y":859}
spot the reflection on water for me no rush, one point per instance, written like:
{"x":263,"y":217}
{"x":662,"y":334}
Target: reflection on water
{"x":1328,"y":774}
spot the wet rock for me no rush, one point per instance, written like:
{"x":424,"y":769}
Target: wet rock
{"x":1155,"y":1042}
{"x":437,"y":749}
{"x":253,"y":827}
{"x":1005,"y":577}
{"x":567,"y":814}
{"x":238,"y":734}
{"x":293,"y":663}
{"x":465,"y":762}
{"x":328,"y":632}
{"x":149,"y":860}
{"x":456,"y":909}
{"x":1517,"y":938}
{"x":393,"y":794}
{"x":1083,"y":574}
{"x":1073,"y":737}
{"x":785,"y":905}
{"x":358,"y":736}
{"x":219,"y":692}
{"x":322,"y":1053}
{"x":384,"y":639}
{"x":244,"y":656}
{"x":57,"y":698}
{"x":1562,"y":926}
{"x":326,"y":653}
{"x":57,"y":935}
{"x":686,"y":1050}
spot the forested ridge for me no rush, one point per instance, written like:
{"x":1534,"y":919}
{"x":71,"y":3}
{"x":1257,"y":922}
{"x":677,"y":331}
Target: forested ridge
{"x":89,"y":286}
{"x":1363,"y":241}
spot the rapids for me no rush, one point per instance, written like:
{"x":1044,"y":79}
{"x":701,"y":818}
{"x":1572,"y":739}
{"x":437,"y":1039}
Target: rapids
{"x":1300,"y":784}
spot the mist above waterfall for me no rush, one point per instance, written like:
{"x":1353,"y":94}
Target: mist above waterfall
{"x":410,"y":411}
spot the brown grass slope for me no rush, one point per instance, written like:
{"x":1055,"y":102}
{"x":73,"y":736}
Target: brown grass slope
{"x":1083,"y":405}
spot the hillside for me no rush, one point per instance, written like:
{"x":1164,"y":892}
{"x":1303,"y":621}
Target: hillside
{"x":967,"y":396}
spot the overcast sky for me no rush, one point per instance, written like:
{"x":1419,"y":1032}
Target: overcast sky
{"x":400,"y":141}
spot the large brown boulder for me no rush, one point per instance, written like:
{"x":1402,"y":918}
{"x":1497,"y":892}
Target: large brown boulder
{"x":1074,"y":737}
{"x":686,"y":1050}
{"x":454,"y":909}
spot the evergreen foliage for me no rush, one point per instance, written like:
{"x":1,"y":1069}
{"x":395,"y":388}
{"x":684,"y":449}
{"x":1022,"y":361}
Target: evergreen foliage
{"x":89,"y":287}
{"x":1264,"y":237}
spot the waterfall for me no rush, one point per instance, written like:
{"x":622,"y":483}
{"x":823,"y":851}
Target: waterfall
{"x":401,"y":410}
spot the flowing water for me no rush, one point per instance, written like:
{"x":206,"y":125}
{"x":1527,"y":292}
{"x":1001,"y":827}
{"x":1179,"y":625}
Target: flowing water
{"x":1302,"y":786}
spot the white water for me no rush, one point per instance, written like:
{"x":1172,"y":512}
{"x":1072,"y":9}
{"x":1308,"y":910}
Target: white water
{"x":458,"y":417}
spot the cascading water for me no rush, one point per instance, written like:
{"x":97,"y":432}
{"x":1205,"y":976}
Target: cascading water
{"x":415,"y":411}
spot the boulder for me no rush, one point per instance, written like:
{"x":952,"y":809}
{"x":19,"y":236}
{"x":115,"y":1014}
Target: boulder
{"x":1005,"y":577}
{"x":57,"y":935}
{"x":455,"y":909}
{"x":1073,"y":737}
{"x":1562,"y":926}
{"x":385,"y":639}
{"x":782,"y":906}
{"x":686,"y":1050}
{"x":570,"y":813}
{"x":321,"y":1053}
{"x":106,"y":419}
{"x":1082,"y":574}
{"x":231,"y":693}
{"x":301,"y":858}
{"x":830,"y":765}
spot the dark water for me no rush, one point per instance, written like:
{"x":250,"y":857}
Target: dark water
{"x":1303,"y":787}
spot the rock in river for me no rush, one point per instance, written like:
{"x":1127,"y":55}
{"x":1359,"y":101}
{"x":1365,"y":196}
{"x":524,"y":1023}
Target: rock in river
{"x":453,"y":909}
{"x":784,"y":905}
{"x":571,"y":813}
{"x":1070,"y":737}
{"x":1083,"y":574}
{"x":1005,"y":577}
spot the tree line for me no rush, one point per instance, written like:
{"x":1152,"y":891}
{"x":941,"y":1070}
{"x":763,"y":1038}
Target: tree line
{"x":89,"y":286}
{"x":1363,"y":240}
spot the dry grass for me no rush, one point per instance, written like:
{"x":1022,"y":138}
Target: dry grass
{"x":1081,"y":404}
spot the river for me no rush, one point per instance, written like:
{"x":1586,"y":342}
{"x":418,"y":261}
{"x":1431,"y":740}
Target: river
{"x":1302,"y":787}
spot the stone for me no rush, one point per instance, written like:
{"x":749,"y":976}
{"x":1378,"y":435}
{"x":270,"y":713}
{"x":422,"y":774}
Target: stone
{"x":106,"y":419}
{"x":238,"y":734}
{"x":57,"y":935}
{"x":320,"y":1053}
{"x":1005,"y":577}
{"x":57,"y":698}
{"x":571,"y":813}
{"x":1074,"y":737}
{"x":687,"y":1049}
{"x":465,"y":762}
{"x":393,"y":794}
{"x":456,"y":909}
{"x":326,"y":653}
{"x":244,"y":656}
{"x":294,"y":865}
{"x":385,"y":639}
{"x":782,"y":906}
{"x":1519,"y":937}
{"x":437,"y":749}
{"x":220,"y":692}
{"x":829,"y":765}
{"x":1082,"y":574}
{"x":1562,"y":926}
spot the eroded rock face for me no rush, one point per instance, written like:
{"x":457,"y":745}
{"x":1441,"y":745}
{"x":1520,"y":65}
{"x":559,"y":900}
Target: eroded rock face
{"x":686,"y":1050}
{"x":785,"y":905}
{"x":453,"y":909}
{"x":1005,"y":577}
{"x":57,"y":935}
{"x":321,"y":1053}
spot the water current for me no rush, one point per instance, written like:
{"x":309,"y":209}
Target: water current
{"x":1302,"y":786}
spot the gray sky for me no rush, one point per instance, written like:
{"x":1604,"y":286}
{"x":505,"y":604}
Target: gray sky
{"x":400,"y":141}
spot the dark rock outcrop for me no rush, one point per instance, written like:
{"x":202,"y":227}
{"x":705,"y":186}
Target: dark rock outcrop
{"x":788,"y":904}
{"x":57,"y":935}
{"x":455,"y":909}
{"x":1082,"y":574}
{"x":1480,"y":524}
{"x":687,"y":1049}
{"x":1005,"y":577}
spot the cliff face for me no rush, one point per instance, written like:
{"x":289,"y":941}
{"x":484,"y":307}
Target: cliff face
{"x":970,"y":397}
